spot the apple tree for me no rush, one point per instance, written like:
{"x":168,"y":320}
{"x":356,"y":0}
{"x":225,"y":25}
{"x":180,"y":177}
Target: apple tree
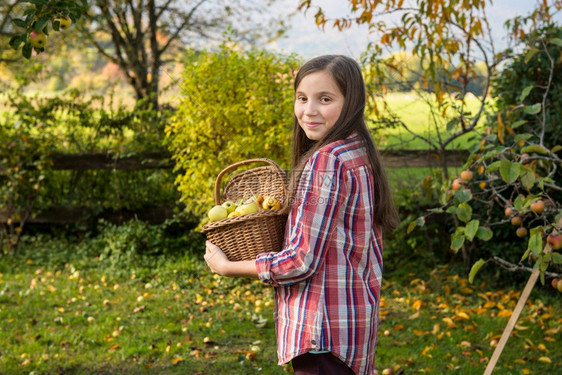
{"x":30,"y":25}
{"x":235,"y":105}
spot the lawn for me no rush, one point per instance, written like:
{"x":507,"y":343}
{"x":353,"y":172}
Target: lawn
{"x":65,"y":310}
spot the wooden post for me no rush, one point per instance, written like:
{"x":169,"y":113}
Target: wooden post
{"x":514,"y":317}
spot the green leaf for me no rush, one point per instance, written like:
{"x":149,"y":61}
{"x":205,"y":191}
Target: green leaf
{"x":457,"y":240}
{"x":519,"y":203}
{"x":463,"y":195}
{"x":557,"y":258}
{"x":525,"y":93}
{"x":537,"y":149}
{"x":485,"y":234}
{"x":464,"y":212}
{"x":533,"y":109}
{"x":535,"y":243}
{"x":526,"y":255}
{"x":517,"y":124}
{"x":26,"y":51}
{"x":509,"y":171}
{"x":556,"y":148}
{"x":532,"y":52}
{"x":493,"y":167}
{"x":522,"y":137}
{"x":528,"y":179}
{"x":471,"y":229}
{"x":556,"y":41}
{"x":18,"y":22}
{"x":40,"y":25}
{"x":475,"y":268}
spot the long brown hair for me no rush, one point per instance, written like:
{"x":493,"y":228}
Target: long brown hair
{"x":349,"y":79}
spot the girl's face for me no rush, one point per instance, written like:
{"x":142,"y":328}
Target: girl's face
{"x":318,"y":104}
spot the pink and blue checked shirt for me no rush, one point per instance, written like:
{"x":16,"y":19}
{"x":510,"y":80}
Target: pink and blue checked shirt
{"x":329,"y":272}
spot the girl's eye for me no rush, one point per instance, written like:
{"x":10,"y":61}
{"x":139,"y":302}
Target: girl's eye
{"x":301,"y":99}
{"x":325,"y":100}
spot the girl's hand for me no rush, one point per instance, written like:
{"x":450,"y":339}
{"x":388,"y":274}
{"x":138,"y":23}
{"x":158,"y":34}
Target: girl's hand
{"x":216,"y":259}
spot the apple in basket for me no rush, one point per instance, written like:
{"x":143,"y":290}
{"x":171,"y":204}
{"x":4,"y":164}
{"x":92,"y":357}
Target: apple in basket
{"x":217,"y":213}
{"x":271,"y":203}
{"x":248,"y":208}
{"x":230,"y":206}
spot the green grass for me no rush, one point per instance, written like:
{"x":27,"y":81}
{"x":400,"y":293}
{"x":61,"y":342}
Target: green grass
{"x":416,"y":114}
{"x":64,"y":310}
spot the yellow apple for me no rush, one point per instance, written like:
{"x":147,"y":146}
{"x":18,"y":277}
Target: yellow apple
{"x":37,"y":39}
{"x":248,"y":208}
{"x":271,"y":203}
{"x":233,"y":214}
{"x":217,"y":213}
{"x":230,"y":206}
{"x":64,"y":23}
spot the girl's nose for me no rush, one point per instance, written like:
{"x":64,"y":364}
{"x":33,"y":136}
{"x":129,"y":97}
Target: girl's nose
{"x":310,"y":108}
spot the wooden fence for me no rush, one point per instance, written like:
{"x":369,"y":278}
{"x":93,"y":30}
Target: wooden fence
{"x":82,"y":162}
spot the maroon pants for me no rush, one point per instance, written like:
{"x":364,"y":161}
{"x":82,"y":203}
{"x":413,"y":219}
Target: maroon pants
{"x":320,"y":364}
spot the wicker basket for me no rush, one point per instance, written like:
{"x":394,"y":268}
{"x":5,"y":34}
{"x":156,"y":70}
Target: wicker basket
{"x":244,"y":237}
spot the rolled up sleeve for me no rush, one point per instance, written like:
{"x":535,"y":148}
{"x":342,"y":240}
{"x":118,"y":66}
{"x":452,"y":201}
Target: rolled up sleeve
{"x":313,"y":219}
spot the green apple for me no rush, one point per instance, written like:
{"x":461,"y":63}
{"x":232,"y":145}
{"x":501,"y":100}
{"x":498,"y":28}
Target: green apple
{"x":37,"y":39}
{"x":217,"y":213}
{"x":230,"y":206}
{"x":248,"y":208}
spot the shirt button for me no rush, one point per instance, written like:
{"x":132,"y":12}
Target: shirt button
{"x":313,"y":342}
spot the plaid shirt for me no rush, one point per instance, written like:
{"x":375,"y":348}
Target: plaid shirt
{"x":329,"y":272}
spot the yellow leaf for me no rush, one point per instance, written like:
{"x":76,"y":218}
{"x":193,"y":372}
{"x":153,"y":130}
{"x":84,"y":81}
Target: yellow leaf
{"x":465,"y":344}
{"x":462,"y":315}
{"x":449,"y":322}
{"x":521,"y":328}
{"x":542,"y":348}
{"x":177,"y":360}
{"x":436,"y":329}
{"x":417,"y":304}
{"x":426,"y":350}
{"x":418,"y":332}
{"x":545,"y":360}
{"x":526,"y":371}
{"x":505,"y":313}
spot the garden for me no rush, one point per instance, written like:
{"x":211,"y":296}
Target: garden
{"x":110,"y":151}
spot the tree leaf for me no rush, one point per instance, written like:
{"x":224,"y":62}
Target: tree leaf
{"x":528,"y":179}
{"x":484,"y":234}
{"x":517,"y":124}
{"x":475,"y":268}
{"x":535,"y":243}
{"x":471,"y":229}
{"x":463,"y":195}
{"x":509,"y":171}
{"x":464,"y":212}
{"x":557,"y":258}
{"x":533,"y":109}
{"x":556,"y":41}
{"x":457,"y":240}
{"x":525,"y":93}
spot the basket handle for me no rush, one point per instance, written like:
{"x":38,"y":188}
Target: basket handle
{"x":244,"y":162}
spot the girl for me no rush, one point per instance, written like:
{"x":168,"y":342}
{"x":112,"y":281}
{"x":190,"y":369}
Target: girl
{"x":328,"y":275}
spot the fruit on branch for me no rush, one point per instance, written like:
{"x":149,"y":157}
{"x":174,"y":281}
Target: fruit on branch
{"x":508,"y":211}
{"x":37,"y":39}
{"x":516,"y":221}
{"x":555,"y":241}
{"x":521,"y":232}
{"x":64,"y":22}
{"x":538,"y":206}
{"x":466,"y":175}
{"x":457,"y":184}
